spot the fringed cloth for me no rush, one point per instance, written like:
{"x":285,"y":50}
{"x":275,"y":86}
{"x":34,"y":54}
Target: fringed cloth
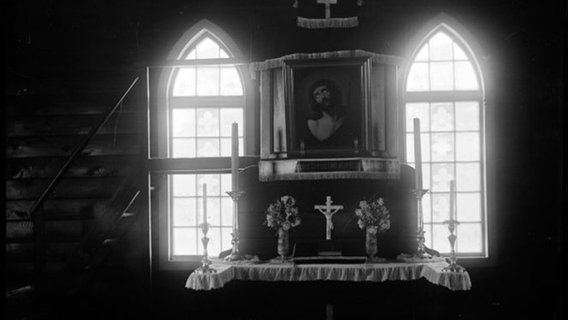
{"x":309,"y":23}
{"x":374,"y":272}
{"x":278,"y":62}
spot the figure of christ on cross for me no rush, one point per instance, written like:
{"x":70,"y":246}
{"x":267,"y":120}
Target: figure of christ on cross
{"x":327,"y":4}
{"x":328,"y":211}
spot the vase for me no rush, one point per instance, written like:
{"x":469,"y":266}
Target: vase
{"x":283,"y":243}
{"x":371,"y":247}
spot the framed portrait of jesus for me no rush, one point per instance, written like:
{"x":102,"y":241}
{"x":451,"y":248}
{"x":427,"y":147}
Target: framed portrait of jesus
{"x":328,"y":102}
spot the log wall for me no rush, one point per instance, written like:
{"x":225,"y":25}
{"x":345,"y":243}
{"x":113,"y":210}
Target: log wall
{"x":68,"y":61}
{"x":42,"y":131}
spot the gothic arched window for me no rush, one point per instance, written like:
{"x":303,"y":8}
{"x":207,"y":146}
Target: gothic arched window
{"x":199,"y":98}
{"x":444,"y":89}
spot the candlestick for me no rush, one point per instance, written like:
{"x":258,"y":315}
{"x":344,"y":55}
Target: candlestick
{"x":420,"y":240}
{"x":234,"y":156}
{"x":417,"y":154}
{"x":235,"y":194}
{"x":205,"y":262}
{"x":452,"y":224}
{"x":419,"y":192}
{"x":235,"y":253}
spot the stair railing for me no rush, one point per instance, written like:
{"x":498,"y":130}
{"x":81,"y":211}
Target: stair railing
{"x":37,"y":216}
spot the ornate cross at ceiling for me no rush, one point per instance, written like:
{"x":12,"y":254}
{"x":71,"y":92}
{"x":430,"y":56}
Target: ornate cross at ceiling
{"x":327,"y":4}
{"x":333,"y":14}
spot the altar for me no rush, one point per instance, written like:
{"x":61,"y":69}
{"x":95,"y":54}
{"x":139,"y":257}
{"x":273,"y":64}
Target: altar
{"x":269,"y":290}
{"x":326,"y":215}
{"x":224,"y":272}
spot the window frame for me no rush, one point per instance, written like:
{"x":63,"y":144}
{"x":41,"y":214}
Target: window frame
{"x":160,"y":162}
{"x":482,"y":95}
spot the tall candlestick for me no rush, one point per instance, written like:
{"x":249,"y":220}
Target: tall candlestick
{"x":234,"y":193}
{"x":234,"y":156}
{"x":205,"y":262}
{"x":417,"y":154}
{"x":452,"y":200}
{"x":452,"y":224}
{"x":419,"y":193}
{"x":204,"y":203}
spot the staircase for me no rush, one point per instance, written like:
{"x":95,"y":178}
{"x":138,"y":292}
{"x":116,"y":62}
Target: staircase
{"x":73,"y":191}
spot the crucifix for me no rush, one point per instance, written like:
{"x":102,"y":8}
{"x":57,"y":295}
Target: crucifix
{"x":327,"y":4}
{"x":328,"y":211}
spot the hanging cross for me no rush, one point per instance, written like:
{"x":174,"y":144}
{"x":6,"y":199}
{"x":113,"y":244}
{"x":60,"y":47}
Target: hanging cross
{"x":328,"y":211}
{"x":328,"y":4}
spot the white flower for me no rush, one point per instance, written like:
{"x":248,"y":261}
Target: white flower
{"x":372,"y":229}
{"x":373,"y":215}
{"x":283,"y":213}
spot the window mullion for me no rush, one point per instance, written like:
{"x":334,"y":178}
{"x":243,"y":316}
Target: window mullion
{"x":206,"y":102}
{"x":442,"y":96}
{"x":209,"y":164}
{"x":201,"y":62}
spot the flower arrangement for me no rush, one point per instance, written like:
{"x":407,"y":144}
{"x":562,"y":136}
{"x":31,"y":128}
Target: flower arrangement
{"x":283,"y":213}
{"x":374,"y":216}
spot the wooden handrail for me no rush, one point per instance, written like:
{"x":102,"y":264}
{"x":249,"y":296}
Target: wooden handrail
{"x":80,"y":147}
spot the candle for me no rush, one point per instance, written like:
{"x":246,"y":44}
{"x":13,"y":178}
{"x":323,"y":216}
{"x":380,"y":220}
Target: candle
{"x":234,"y":156}
{"x":417,"y":154}
{"x":452,"y":200}
{"x":204,"y":203}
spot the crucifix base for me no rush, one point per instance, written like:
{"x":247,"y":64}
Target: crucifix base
{"x":329,"y":248}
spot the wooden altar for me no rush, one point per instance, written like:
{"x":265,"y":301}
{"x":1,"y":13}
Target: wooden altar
{"x":257,"y":239}
{"x":224,"y":272}
{"x":391,"y":290}
{"x":358,"y":161}
{"x":362,"y":164}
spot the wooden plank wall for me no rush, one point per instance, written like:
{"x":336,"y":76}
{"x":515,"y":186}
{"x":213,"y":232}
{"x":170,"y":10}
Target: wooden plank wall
{"x":68,"y":61}
{"x":41,"y":132}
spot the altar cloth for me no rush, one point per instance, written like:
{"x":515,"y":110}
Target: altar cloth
{"x":375,"y":272}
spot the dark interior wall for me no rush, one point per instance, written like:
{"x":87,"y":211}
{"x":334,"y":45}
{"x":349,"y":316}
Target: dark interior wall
{"x":81,"y":51}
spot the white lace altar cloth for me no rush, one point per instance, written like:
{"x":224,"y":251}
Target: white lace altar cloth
{"x":376,"y":272}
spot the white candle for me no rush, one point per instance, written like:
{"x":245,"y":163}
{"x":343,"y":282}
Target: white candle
{"x":417,"y":154}
{"x":204,"y":203}
{"x":234,"y":156}
{"x":452,"y":200}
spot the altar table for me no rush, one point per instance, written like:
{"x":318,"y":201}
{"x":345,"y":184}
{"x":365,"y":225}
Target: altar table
{"x":374,"y":272}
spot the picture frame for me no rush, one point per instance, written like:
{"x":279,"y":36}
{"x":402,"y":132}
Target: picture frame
{"x":337,"y":126}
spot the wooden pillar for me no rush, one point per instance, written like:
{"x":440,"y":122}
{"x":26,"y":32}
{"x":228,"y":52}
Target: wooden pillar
{"x":265,"y":114}
{"x":391,"y":112}
{"x":377,"y":137}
